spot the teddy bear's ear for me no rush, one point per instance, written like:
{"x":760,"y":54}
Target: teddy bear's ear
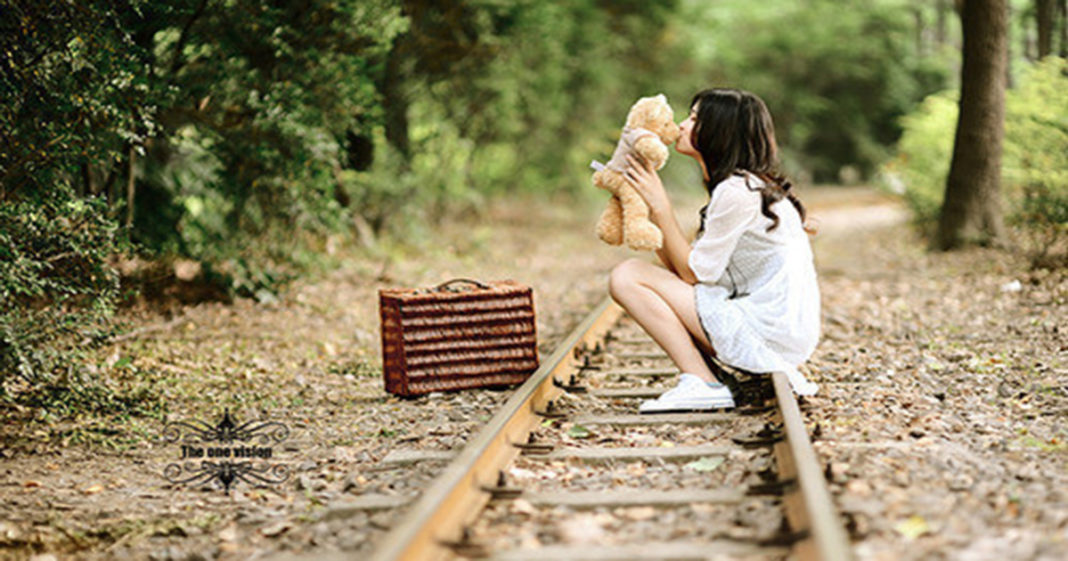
{"x":661,"y":98}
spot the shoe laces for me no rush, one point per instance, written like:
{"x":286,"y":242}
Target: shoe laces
{"x":687,"y":383}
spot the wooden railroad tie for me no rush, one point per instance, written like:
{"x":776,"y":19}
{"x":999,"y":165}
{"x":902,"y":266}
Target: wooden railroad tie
{"x":591,"y":455}
{"x":664,"y":551}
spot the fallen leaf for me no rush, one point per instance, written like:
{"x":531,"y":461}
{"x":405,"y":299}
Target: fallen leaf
{"x":523,"y":506}
{"x":708,"y":463}
{"x":93,"y":489}
{"x":859,"y":488}
{"x":639,"y":513}
{"x":521,"y":474}
{"x":8,"y":531}
{"x":585,"y":529}
{"x":578,"y":431}
{"x":1012,"y":286}
{"x":228,"y":534}
{"x":343,"y":454}
{"x":704,"y":508}
{"x":913,"y":527}
{"x":32,"y":483}
{"x":186,"y":269}
{"x":275,"y":529}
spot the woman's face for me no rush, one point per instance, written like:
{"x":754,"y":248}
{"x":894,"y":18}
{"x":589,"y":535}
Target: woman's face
{"x":684,"y":146}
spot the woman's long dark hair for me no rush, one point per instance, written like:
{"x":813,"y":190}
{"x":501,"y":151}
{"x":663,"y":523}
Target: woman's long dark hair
{"x":734,"y":133}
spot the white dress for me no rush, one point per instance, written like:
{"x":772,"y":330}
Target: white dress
{"x":757,"y":296}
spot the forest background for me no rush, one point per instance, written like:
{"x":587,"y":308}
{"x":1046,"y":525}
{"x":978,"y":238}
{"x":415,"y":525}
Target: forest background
{"x":249,"y":141}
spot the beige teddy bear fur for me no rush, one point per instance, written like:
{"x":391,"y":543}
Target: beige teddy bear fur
{"x":650,"y":128}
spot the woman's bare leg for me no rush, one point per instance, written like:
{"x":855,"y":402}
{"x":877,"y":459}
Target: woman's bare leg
{"x":663,"y":304}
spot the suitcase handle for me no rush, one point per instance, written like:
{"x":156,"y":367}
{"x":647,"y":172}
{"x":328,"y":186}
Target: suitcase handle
{"x":445,"y":285}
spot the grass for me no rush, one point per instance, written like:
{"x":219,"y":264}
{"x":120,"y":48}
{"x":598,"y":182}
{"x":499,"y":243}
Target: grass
{"x":109,"y":533}
{"x":1053,"y":445}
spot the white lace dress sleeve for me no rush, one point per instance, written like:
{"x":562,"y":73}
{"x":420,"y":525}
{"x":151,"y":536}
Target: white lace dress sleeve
{"x":730,"y":213}
{"x":757,"y":295}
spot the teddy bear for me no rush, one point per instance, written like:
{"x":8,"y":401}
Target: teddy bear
{"x":649,"y":129}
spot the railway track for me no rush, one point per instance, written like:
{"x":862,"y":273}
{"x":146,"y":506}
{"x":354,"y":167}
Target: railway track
{"x":567,"y":470}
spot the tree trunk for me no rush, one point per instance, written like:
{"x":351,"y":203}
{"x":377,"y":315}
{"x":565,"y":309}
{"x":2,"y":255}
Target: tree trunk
{"x":941,"y":10}
{"x":88,"y":186}
{"x":131,"y":186}
{"x":1045,"y":15}
{"x":921,"y":29}
{"x":1008,"y":44}
{"x":395,"y":99}
{"x":1064,"y":28}
{"x":971,"y":213}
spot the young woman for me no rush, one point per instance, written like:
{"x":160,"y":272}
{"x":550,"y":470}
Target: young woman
{"x":745,"y":291}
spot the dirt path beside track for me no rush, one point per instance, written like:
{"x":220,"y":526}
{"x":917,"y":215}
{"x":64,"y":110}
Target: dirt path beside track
{"x":942,"y":415}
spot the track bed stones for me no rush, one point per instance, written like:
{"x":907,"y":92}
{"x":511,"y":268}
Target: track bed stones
{"x":521,"y":530}
{"x":589,"y":478}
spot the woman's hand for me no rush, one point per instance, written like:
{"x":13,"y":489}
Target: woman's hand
{"x":646,"y":181}
{"x":675,"y":252}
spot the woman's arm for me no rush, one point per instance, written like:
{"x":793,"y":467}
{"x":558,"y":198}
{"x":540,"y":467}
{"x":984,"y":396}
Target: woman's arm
{"x":675,"y":253}
{"x":666,"y":260}
{"x":676,"y":250}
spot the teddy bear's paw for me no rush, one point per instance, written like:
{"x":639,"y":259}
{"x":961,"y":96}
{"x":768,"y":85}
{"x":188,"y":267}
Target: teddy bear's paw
{"x":611,"y":181}
{"x":610,"y":235}
{"x":644,"y":237}
{"x":645,"y":245}
{"x":612,"y":240}
{"x":652,"y":151}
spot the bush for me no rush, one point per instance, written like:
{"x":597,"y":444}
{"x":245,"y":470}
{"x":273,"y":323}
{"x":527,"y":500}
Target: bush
{"x":924,"y":152}
{"x":57,"y":291}
{"x":1036,"y":155}
{"x":1035,"y":163}
{"x":833,"y":106}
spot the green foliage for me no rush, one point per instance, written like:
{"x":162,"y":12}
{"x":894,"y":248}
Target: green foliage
{"x":259,"y":101}
{"x":245,"y":118}
{"x":543,"y":89}
{"x":920,"y":170}
{"x":74,"y":103}
{"x":494,"y":98}
{"x":1036,"y":154}
{"x":836,"y":75}
{"x":57,"y":289}
{"x":1035,"y":164}
{"x":249,"y":135}
{"x":74,"y":94}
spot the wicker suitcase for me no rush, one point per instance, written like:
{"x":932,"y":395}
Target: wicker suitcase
{"x":458,"y":335}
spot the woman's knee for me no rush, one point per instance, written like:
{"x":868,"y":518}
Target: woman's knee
{"x":625,"y":277}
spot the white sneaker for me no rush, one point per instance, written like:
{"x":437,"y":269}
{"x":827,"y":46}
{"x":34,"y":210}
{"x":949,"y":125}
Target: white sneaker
{"x":691,"y":394}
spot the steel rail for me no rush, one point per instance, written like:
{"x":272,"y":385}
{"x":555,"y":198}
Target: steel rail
{"x":457,"y":496}
{"x":808,"y":504}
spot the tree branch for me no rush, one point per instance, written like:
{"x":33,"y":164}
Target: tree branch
{"x":177,"y":62}
{"x":10,"y":172}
